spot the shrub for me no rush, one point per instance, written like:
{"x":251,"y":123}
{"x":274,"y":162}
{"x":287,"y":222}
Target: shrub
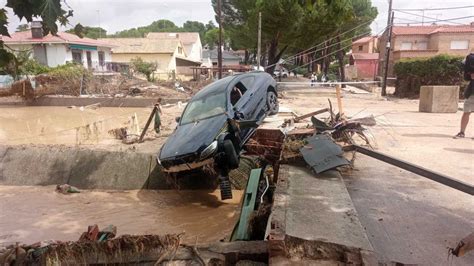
{"x":414,"y":73}
{"x":143,"y":67}
{"x":31,"y":67}
{"x":69,"y":71}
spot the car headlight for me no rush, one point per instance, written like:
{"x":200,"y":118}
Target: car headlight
{"x":209,"y":150}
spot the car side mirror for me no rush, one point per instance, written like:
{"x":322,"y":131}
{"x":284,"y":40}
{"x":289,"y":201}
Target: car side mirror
{"x":177,"y":119}
{"x":238,"y":115}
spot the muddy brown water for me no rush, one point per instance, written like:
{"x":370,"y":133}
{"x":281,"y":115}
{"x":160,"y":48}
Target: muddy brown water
{"x":74,"y":126}
{"x":34,"y":213}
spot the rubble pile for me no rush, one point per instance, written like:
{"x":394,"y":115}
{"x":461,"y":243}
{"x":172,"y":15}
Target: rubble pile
{"x":93,"y":247}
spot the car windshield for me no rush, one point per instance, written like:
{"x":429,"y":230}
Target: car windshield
{"x":207,"y":105}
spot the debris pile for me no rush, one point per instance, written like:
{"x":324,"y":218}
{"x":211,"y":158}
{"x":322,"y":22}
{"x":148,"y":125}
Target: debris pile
{"x":93,"y":247}
{"x":321,"y":143}
{"x":66,"y":189}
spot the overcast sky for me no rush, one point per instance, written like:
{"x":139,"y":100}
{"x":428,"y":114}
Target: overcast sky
{"x":115,"y":15}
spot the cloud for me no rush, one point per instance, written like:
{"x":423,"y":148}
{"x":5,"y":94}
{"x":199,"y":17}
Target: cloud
{"x":116,"y":15}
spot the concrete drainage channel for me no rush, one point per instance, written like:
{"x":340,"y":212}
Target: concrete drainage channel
{"x":309,"y":218}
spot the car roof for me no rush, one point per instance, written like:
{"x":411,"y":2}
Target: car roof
{"x":222,"y":84}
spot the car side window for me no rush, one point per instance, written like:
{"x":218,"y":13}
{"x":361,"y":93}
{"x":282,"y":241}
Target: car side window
{"x":248,"y":82}
{"x":240,"y":89}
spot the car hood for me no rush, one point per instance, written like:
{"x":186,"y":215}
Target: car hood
{"x":189,"y":138}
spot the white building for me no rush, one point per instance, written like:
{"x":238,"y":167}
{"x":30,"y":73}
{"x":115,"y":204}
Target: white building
{"x":57,"y":50}
{"x":190,"y":40}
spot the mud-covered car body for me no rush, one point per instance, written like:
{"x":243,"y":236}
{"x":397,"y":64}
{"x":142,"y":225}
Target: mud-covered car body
{"x":210,"y":123}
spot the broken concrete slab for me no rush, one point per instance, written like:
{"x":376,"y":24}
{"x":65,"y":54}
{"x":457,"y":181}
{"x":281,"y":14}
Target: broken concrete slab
{"x":321,"y":209}
{"x":314,"y":220}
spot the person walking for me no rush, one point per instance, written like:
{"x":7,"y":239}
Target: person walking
{"x":313,"y":79}
{"x":158,"y":114}
{"x":468,"y":95}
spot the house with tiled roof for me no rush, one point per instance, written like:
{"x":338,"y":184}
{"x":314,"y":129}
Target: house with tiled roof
{"x":168,"y":54}
{"x":427,"y":41}
{"x":363,"y":59}
{"x":190,"y":40}
{"x":53,"y":50}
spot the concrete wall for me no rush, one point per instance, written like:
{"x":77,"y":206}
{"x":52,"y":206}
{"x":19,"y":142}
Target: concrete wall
{"x":88,"y":169}
{"x":194,"y":51}
{"x":104,"y":102}
{"x":366,"y":69}
{"x":164,"y":61}
{"x":81,"y":168}
{"x":57,"y":54}
{"x":414,"y":39}
{"x":444,"y":43}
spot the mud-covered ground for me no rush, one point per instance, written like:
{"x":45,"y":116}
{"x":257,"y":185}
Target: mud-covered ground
{"x":408,"y":218}
{"x":84,"y":127}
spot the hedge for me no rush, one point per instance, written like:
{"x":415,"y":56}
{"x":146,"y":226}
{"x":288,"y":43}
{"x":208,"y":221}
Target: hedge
{"x":438,"y":70}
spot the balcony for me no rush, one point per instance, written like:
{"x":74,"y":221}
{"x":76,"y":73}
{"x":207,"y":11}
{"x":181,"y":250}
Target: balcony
{"x":105,"y":66}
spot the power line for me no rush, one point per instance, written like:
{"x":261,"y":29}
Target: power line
{"x":437,"y":20}
{"x":315,"y":46}
{"x":325,"y":47}
{"x":432,"y":9}
{"x":322,"y":57}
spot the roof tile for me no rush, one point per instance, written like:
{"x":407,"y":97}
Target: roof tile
{"x":25,"y":37}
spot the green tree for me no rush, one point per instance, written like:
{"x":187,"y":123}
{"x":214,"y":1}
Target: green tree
{"x":162,"y":25}
{"x":211,"y":38}
{"x":194,"y":26}
{"x":146,"y":68}
{"x":279,"y":21}
{"x":89,"y":32}
{"x":23,"y":27}
{"x":287,"y":25}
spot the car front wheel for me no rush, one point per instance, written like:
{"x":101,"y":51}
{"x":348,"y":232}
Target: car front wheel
{"x":231,"y":154}
{"x":272,"y":103}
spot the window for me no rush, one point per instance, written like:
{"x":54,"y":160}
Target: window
{"x":361,"y":47}
{"x":77,"y":56}
{"x":101,"y":58}
{"x":239,"y":90}
{"x":459,"y":45}
{"x":248,"y":82}
{"x":406,"y":46}
{"x":422,"y":46}
{"x":206,"y":106}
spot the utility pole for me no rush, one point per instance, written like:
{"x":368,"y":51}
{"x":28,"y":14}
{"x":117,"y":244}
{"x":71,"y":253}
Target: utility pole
{"x":423,"y":17}
{"x":387,"y":47}
{"x":259,"y":39}
{"x":100,"y":31}
{"x":219,"y":50}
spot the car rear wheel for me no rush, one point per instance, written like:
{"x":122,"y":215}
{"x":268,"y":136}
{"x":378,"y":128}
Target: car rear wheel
{"x":231,"y":154}
{"x":272,"y":103}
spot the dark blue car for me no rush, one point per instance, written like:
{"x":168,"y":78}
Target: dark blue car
{"x":218,"y":121}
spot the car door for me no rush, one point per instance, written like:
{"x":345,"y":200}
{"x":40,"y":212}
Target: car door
{"x":242,"y":107}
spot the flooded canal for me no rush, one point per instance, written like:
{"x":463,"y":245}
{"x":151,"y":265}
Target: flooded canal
{"x":31,"y":214}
